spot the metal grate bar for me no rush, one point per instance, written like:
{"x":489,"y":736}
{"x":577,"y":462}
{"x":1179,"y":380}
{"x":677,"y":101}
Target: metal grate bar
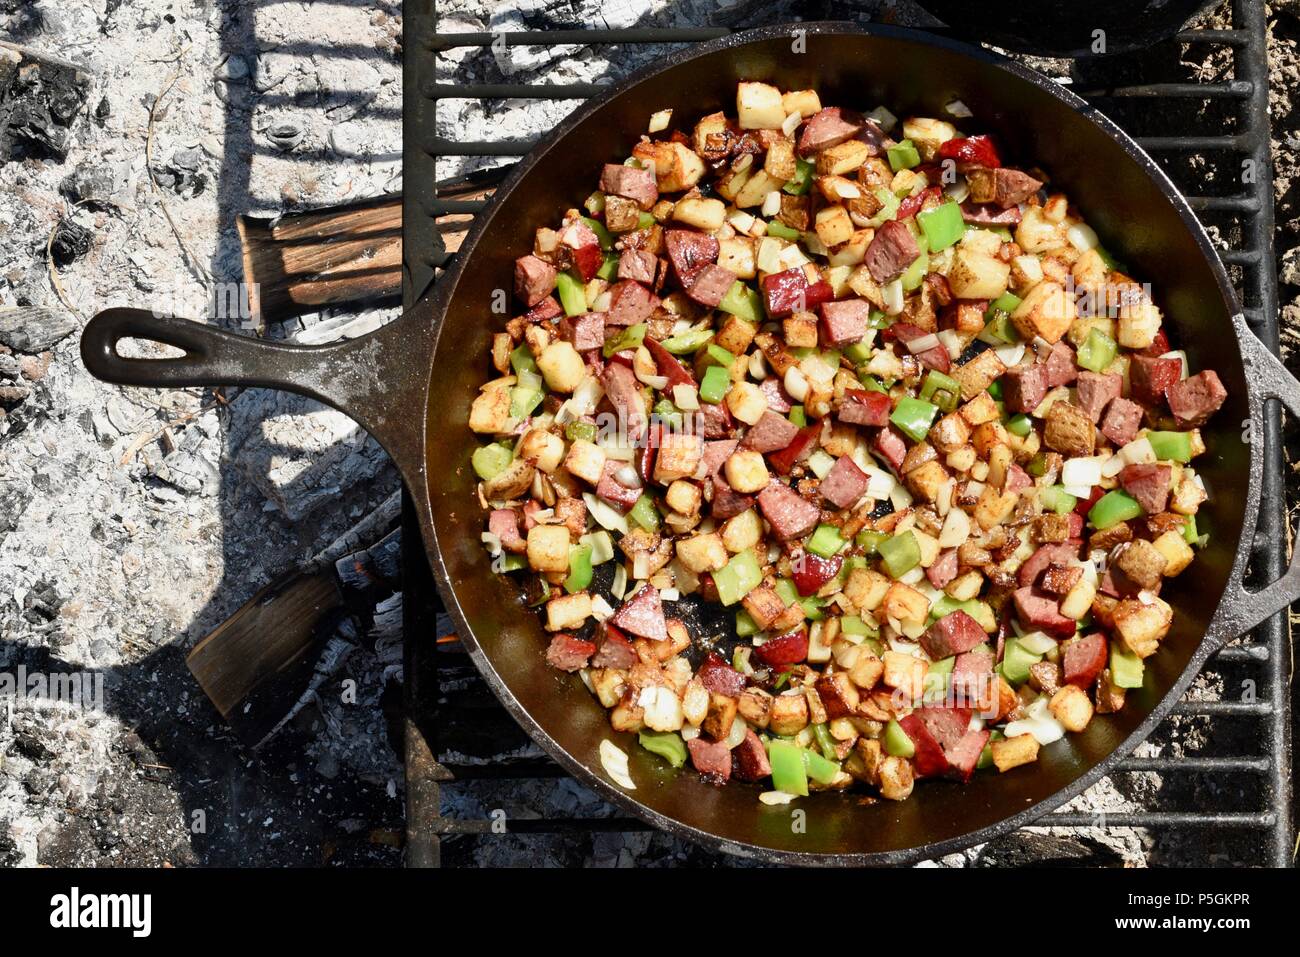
{"x":515,"y":91}
{"x":1190,"y":819}
{"x":453,"y":41}
{"x":1236,"y":89}
{"x":1236,"y":143}
{"x":1224,"y":708}
{"x":1196,"y":765}
{"x":1224,"y":204}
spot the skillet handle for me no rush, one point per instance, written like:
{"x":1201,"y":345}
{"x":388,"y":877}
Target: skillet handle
{"x":379,"y":379}
{"x":1240,"y":609}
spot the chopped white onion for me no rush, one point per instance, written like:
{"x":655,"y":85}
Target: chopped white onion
{"x":1011,"y":354}
{"x":1082,"y":237}
{"x":741,"y":220}
{"x":796,"y":383}
{"x":1082,"y":472}
{"x":771,"y":203}
{"x":845,"y":190}
{"x":791,"y":124}
{"x":614,"y":760}
{"x":605,"y":514}
{"x":601,"y":302}
{"x":899,"y":497}
{"x":791,"y":257}
{"x":775,"y":798}
{"x":815,"y":245}
{"x":816,"y":369}
{"x":950,"y":339}
{"x":959,"y":191}
{"x":959,"y":110}
{"x":1038,"y":722}
{"x":943,"y":499}
{"x":670,"y":594}
{"x":956,"y":529}
{"x":493,"y":543}
{"x":686,"y":397}
{"x":600,"y":609}
{"x":769,"y":254}
{"x":757,"y":366}
{"x":628,"y":476}
{"x":892,"y":295}
{"x":821,"y":463}
{"x":602,"y":547}
{"x":1037,"y":642}
{"x":922,"y":343}
{"x":587,"y":395}
{"x":656,"y":382}
{"x":659,"y":120}
{"x":619,"y":587}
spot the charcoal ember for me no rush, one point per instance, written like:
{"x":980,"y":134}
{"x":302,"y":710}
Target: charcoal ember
{"x":14,"y":393}
{"x":41,"y":97}
{"x":34,"y":330}
{"x":71,"y":241}
{"x":183,"y":174}
{"x":1027,"y":849}
{"x":285,"y":135}
{"x":98,"y":185}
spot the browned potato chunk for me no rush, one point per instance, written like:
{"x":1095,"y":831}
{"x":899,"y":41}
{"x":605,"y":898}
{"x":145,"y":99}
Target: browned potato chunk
{"x":1012,"y":752}
{"x":896,"y":778}
{"x":1045,"y":311}
{"x":1142,"y":626}
{"x":1072,"y":707}
{"x":788,"y":714}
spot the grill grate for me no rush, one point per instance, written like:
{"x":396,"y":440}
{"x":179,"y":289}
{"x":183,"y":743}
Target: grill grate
{"x":1230,"y":805}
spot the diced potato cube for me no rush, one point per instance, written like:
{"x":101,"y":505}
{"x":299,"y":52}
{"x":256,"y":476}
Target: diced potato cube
{"x":608,"y":685}
{"x":720,"y":717}
{"x":677,"y":167}
{"x":1138,"y":324}
{"x":1187,"y":495}
{"x":627,"y":715}
{"x":702,"y":553}
{"x":586,"y":460}
{"x":490,"y":411}
{"x":746,"y":471}
{"x":746,"y":402}
{"x":759,"y":107}
{"x":977,"y":375}
{"x":735,"y":335}
{"x":755,"y":706}
{"x":961,"y":460}
{"x":950,"y":433}
{"x":866,"y":671}
{"x":756,"y":188}
{"x":926,"y":481}
{"x":695,"y":702}
{"x":904,"y":672}
{"x":905,"y":603}
{"x":843,"y":158}
{"x":548,"y":548}
{"x":928,"y":134}
{"x":974,"y":275}
{"x":800,"y":331}
{"x":788,"y":714}
{"x":1142,"y":562}
{"x":779,"y":161}
{"x":987,"y":437}
{"x":979,"y":409}
{"x":866,"y":588}
{"x":1178,"y":554}
{"x":1072,"y":707}
{"x":736,"y":255}
{"x":803,"y":102}
{"x":1026,"y":272}
{"x":1078,"y":600}
{"x":567,"y":612}
{"x":965,"y":587}
{"x":743,"y":531}
{"x":833,"y":225}
{"x":1045,"y":311}
{"x":683,"y":497}
{"x":1035,"y":234}
{"x":994,"y":507}
{"x":731,"y":182}
{"x":706,"y":215}
{"x":679,"y":456}
{"x":1142,"y":626}
{"x":1012,"y":752}
{"x":542,"y":449}
{"x":561,"y":366}
{"x":896,"y":778}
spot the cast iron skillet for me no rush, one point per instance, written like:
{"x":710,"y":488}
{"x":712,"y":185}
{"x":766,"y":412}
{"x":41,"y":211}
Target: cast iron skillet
{"x":411,"y":383}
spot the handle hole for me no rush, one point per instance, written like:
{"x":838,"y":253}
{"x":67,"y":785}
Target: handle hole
{"x":132,"y":348}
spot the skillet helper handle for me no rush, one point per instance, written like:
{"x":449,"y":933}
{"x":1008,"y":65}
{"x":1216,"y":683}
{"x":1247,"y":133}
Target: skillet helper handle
{"x":378,"y":379}
{"x":1242,"y":610}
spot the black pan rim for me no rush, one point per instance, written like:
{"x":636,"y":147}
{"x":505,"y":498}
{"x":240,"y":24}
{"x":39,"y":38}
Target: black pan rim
{"x":444,"y":290}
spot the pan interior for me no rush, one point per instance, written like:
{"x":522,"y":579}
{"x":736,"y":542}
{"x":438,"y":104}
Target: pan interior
{"x":1117,"y":195}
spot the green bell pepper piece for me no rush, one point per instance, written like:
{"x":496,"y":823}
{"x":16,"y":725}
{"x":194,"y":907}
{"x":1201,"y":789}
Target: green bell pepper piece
{"x":1190,"y":534}
{"x":580,"y":430}
{"x":913,"y":417}
{"x":1016,"y":660}
{"x":629,"y":338}
{"x":786,"y":591}
{"x":788,"y":771}
{"x":645,"y":221}
{"x":579,"y":568}
{"x":744,"y":302}
{"x":937,"y":384}
{"x":738,"y":577}
{"x":914,"y":274}
{"x":687,"y":342}
{"x":745,"y":624}
{"x":812,"y":607}
{"x":942,"y":225}
{"x":819,"y":768}
{"x":714,"y":354}
{"x":603,"y":235}
{"x":986,"y":755}
{"x":854,"y":625}
{"x":798,"y":184}
{"x":1020,"y":425}
{"x":523,"y":400}
{"x":826,"y":541}
{"x":1057,"y":499}
{"x":900,"y":554}
{"x":1112,"y":508}
{"x":489,"y":461}
{"x":608,"y":269}
{"x":644,"y":513}
{"x":797,"y":416}
{"x":667,"y":744}
{"x":897,"y":742}
{"x":936,"y":678}
{"x":889,"y":204}
{"x":825,"y":743}
{"x":714,"y":385}
{"x":870,"y":540}
{"x":1171,"y":446}
{"x":871,"y":383}
{"x":1125,"y":667}
{"x":858,"y":352}
{"x":521,"y":360}
{"x":1008,"y":302}
{"x":903,"y":156}
{"x":782,"y":231}
{"x":573,"y":295}
{"x":1096,"y":352}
